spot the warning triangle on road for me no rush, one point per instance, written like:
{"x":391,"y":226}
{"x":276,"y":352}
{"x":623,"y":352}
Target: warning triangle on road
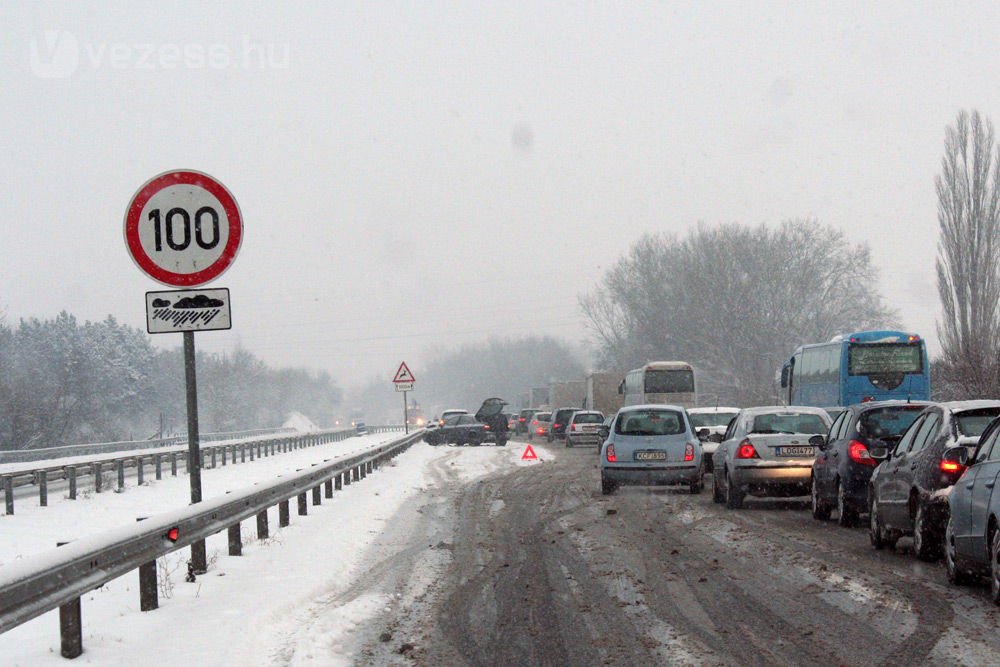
{"x":529,"y":454}
{"x":403,"y":374}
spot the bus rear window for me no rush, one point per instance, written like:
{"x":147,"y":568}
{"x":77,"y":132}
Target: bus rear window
{"x":875,"y":358}
{"x":889,"y":422}
{"x":669,"y":382}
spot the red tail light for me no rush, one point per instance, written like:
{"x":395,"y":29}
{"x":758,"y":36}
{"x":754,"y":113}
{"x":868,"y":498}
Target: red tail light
{"x":951,"y":467}
{"x":689,"y":452}
{"x":611,"y":454}
{"x":521,"y":419}
{"x":486,"y":427}
{"x":860,"y":454}
{"x":746,"y":450}
{"x":573,"y":427}
{"x":556,"y":425}
{"x":541,"y":431}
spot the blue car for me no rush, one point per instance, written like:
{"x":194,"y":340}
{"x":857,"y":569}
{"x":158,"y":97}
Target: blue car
{"x":972,"y":538}
{"x":651,"y":445}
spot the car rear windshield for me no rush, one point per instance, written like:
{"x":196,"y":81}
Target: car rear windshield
{"x":543,"y":416}
{"x":974,"y":422}
{"x":888,"y":422}
{"x":650,"y":422}
{"x":588,"y":418}
{"x":789,"y":422}
{"x":707,"y":419}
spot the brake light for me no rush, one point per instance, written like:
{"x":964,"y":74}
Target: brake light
{"x":573,"y":427}
{"x":860,"y":454}
{"x":867,"y":399}
{"x":556,"y":425}
{"x":914,"y":339}
{"x":951,"y":466}
{"x":541,"y":431}
{"x":521,"y":419}
{"x":486,"y":427}
{"x":746,"y":450}
{"x":611,"y":454}
{"x":689,"y":452}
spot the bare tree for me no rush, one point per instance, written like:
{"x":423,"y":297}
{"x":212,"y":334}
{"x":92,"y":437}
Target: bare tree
{"x":734,"y":301}
{"x":967,"y":270}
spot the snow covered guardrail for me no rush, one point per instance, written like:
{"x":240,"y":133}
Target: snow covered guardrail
{"x":211,"y":456}
{"x":59,"y":578}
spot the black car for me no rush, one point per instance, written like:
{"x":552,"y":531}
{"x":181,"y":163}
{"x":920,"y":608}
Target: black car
{"x":524,"y":420}
{"x":459,"y":429}
{"x":844,"y":464}
{"x":494,"y":420}
{"x":909,"y":490}
{"x":560,"y":418}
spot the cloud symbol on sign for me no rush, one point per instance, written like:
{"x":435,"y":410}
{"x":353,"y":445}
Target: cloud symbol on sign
{"x":160,"y":303}
{"x":200,"y":301}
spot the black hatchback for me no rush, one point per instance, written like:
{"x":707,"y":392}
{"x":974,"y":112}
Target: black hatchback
{"x":844,"y":465}
{"x":909,"y":490}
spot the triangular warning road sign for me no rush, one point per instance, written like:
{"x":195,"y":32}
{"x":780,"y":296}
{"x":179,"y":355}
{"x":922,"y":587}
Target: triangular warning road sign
{"x":403,"y":374}
{"x":529,"y":454}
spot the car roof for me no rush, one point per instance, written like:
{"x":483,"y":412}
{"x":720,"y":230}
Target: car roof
{"x":777,"y":409}
{"x":710,"y":411}
{"x":646,"y":406}
{"x":861,"y":407}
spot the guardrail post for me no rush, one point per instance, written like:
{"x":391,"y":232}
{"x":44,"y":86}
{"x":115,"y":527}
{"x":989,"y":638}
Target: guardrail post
{"x":316,"y":497}
{"x":243,"y":453}
{"x":173,"y":464}
{"x":364,"y":470}
{"x":158,"y":461}
{"x":139,"y":463}
{"x":98,"y":477}
{"x":70,"y":626}
{"x":43,"y":488}
{"x":213,"y":456}
{"x":262,"y":531}
{"x":370,"y":468}
{"x":149,"y":597}
{"x":251,"y":451}
{"x":356,"y":474}
{"x":328,"y":488}
{"x":235,"y":541}
{"x":283,"y":519}
{"x":303,"y":507}
{"x":337,"y":484}
{"x":70,"y":472}
{"x":8,"y":493}
{"x":120,"y":463}
{"x":258,"y":448}
{"x":201,"y":457}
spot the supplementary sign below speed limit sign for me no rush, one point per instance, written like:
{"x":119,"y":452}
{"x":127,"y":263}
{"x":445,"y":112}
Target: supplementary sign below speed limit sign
{"x":183,"y":228}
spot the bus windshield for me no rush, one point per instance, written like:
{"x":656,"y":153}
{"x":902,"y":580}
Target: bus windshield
{"x":669,"y":382}
{"x":875,"y":358}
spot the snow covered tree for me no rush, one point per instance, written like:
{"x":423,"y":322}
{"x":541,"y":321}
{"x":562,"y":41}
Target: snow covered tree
{"x":968,"y":274}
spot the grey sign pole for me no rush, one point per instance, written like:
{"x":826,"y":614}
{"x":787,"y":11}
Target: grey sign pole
{"x":406,"y":415}
{"x":199,"y":557}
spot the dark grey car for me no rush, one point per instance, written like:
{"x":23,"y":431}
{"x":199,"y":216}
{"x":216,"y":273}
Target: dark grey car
{"x":909,"y":489}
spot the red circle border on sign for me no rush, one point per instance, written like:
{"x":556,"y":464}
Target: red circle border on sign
{"x":183,"y":177}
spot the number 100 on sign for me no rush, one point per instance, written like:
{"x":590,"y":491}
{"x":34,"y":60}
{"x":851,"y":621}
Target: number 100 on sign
{"x":183,"y":228}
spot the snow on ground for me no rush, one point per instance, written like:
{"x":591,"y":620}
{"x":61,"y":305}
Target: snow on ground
{"x":240,"y":600}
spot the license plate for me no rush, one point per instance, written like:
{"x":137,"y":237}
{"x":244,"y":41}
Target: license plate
{"x":650,"y":456}
{"x":794,"y":451}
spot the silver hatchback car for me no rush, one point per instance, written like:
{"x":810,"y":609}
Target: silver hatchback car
{"x":651,"y":445}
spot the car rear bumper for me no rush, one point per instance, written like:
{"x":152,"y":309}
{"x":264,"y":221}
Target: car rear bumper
{"x":584,"y":438}
{"x":792,"y":475}
{"x":652,"y":475}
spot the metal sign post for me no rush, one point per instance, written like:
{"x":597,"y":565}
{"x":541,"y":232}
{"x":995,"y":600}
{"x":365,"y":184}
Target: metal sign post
{"x":183,"y":228}
{"x":403,"y":380}
{"x":406,"y":415}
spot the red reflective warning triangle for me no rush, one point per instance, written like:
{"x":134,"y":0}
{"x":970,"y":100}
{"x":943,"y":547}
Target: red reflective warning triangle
{"x":529,"y":454}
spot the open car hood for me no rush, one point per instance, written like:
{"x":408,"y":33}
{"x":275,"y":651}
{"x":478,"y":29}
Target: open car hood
{"x":491,"y":407}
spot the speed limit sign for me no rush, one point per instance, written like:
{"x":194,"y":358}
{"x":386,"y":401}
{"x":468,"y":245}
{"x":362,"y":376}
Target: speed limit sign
{"x":183,"y":228}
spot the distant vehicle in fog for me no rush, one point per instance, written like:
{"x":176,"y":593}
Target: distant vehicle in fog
{"x":660,"y":382}
{"x":857,"y":368}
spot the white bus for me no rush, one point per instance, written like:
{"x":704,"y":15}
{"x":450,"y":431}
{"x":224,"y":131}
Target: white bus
{"x":670,"y":382}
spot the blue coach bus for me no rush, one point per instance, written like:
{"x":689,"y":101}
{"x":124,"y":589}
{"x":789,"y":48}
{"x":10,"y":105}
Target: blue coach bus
{"x":858,"y":367}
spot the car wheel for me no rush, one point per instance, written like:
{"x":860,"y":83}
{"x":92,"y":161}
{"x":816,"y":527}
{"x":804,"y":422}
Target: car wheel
{"x":698,"y":484}
{"x":956,"y":575}
{"x":569,"y":443}
{"x":925,"y":544}
{"x":549,"y":438}
{"x":820,"y":510}
{"x":717,"y":496}
{"x":995,"y":567}
{"x":607,"y":486}
{"x":875,"y":531}
{"x":847,"y":515}
{"x":734,"y":496}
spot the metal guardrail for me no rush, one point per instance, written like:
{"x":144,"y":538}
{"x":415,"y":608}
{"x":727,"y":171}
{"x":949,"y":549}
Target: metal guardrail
{"x":59,"y":578}
{"x":210,"y":458}
{"x":42,"y":454}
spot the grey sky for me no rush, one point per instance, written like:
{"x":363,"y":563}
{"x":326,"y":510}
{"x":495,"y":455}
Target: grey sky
{"x":416,"y":175}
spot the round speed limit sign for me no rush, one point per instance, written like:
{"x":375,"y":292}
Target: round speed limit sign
{"x":183,"y":228}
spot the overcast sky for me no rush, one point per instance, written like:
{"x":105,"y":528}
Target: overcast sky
{"x":419,"y":175}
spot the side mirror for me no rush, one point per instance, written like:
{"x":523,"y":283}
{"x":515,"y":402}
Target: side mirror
{"x":604,"y":431}
{"x":956,"y":455}
{"x":818,"y":441}
{"x":879,"y":452}
{"x":703,"y":434}
{"x":715,"y":437}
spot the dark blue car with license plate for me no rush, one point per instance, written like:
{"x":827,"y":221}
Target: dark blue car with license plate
{"x":844,"y":465}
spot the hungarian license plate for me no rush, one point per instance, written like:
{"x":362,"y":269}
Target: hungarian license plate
{"x":794,"y":451}
{"x":650,"y":456}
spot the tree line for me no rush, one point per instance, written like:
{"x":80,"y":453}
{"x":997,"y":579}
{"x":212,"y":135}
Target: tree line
{"x":62,"y":382}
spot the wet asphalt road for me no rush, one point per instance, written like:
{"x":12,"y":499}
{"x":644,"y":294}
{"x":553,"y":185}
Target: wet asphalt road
{"x":532,"y":566}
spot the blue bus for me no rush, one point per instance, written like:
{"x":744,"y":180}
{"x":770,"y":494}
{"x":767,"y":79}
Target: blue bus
{"x":856,"y":368}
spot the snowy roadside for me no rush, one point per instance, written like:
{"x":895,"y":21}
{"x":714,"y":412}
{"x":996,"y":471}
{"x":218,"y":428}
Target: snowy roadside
{"x":229,"y":615}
